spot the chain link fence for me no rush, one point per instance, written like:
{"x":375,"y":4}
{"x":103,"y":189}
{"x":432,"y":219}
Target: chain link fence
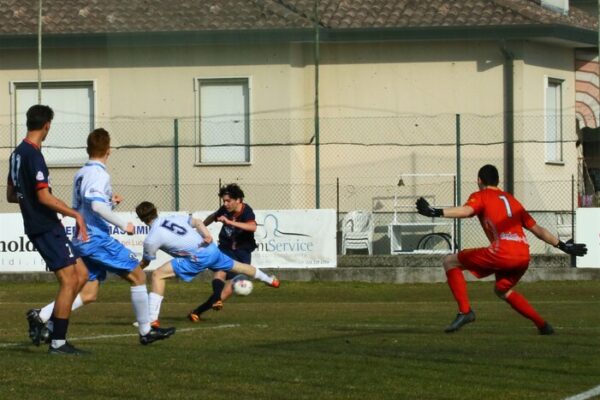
{"x":379,"y":164}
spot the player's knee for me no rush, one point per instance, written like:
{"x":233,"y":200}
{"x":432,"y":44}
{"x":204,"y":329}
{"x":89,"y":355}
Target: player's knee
{"x":138,"y":276}
{"x":448,"y":262}
{"x":89,"y":298}
{"x":501,"y":292}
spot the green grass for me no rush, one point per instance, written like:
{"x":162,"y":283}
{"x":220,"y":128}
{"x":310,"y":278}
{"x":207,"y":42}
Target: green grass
{"x":312,"y":341}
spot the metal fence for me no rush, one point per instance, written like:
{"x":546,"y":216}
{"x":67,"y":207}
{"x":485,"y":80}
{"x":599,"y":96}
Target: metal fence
{"x":361,"y":164}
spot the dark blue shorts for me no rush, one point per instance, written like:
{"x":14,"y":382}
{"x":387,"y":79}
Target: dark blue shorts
{"x":55,"y":248}
{"x":240,"y":255}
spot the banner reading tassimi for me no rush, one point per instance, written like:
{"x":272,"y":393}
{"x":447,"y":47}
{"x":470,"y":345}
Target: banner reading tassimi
{"x":285,"y":238}
{"x":291,"y":238}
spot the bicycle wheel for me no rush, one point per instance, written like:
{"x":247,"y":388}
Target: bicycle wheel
{"x":437,"y":241}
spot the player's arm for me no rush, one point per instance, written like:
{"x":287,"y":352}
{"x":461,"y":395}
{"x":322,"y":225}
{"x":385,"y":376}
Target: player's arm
{"x":148,"y":252}
{"x":202,"y":230}
{"x":210,"y":219}
{"x":54,"y":203}
{"x":249,"y":226}
{"x":11,"y":193}
{"x":144,"y":263}
{"x":424,"y":208}
{"x":569,"y":247}
{"x":106,"y":212}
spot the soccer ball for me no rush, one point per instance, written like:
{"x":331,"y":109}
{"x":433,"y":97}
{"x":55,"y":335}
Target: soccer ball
{"x":242,"y":287}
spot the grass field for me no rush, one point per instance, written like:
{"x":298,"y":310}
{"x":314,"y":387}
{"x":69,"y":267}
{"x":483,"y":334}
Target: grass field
{"x":311,"y":341}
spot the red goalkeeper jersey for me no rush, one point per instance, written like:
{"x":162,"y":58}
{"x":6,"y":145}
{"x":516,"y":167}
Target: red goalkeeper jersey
{"x":502,"y":218}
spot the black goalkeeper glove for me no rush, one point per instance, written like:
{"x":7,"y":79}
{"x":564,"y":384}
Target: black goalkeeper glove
{"x":570,"y":247}
{"x":425,"y":209}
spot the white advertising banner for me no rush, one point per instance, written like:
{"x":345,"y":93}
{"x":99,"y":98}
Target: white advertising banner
{"x":291,"y":238}
{"x":285,"y":239}
{"x":587,"y":230}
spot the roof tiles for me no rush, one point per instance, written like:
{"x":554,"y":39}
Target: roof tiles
{"x":19,"y":17}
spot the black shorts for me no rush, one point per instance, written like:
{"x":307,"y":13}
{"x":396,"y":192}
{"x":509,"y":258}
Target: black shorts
{"x":55,"y":248}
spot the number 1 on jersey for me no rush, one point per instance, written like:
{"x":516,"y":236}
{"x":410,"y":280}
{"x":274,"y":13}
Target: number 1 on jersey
{"x":507,"y":205}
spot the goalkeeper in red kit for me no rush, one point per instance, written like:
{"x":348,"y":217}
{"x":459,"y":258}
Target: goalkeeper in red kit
{"x":507,"y":257}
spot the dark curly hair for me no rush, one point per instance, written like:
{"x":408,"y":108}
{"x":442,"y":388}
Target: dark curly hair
{"x":232,"y":190}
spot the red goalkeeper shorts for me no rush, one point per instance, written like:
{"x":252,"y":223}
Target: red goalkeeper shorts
{"x":507,"y":266}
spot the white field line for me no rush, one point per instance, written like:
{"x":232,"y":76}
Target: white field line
{"x":28,"y":303}
{"x":121,"y":335}
{"x":586,"y":395}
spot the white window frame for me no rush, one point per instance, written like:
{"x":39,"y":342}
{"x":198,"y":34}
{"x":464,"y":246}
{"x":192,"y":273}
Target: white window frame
{"x":14,"y":86}
{"x":197,"y":125}
{"x":556,"y":147}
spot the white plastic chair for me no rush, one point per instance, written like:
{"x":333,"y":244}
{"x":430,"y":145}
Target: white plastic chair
{"x":564,"y":226}
{"x":357,"y":231}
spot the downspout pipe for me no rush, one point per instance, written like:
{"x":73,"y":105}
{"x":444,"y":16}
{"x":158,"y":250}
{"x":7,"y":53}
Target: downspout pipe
{"x":509,"y":119}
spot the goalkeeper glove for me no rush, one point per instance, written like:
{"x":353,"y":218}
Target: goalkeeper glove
{"x":425,"y":209}
{"x":570,"y":247}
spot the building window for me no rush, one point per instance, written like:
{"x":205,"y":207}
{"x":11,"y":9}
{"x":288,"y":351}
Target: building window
{"x":73,"y":105}
{"x":224,"y":127}
{"x":554,"y":121}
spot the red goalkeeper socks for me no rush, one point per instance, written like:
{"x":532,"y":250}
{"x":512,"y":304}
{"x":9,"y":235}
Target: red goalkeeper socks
{"x":458,"y":286}
{"x":522,"y":306}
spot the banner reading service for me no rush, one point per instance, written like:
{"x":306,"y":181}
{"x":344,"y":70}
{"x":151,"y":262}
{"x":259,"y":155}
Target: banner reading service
{"x":285,"y":239}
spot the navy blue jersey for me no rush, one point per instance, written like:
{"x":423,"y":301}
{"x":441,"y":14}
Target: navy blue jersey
{"x":28,"y":174}
{"x":234,"y":238}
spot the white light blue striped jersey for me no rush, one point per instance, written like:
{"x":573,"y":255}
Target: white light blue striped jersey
{"x":92,"y":183}
{"x":175,"y":236}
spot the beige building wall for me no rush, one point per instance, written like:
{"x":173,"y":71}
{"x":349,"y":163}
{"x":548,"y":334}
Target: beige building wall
{"x":396,"y":93}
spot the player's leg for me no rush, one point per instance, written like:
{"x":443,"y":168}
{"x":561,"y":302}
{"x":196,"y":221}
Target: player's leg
{"x":454,"y":265}
{"x":214,"y":300}
{"x":43,"y":316}
{"x":505,"y":281}
{"x":88,"y":294}
{"x":69,"y":284}
{"x":228,"y":289}
{"x":247,"y":269}
{"x":139,"y":298}
{"x":456,"y":282}
{"x":159,"y":277}
{"x":241,"y":255}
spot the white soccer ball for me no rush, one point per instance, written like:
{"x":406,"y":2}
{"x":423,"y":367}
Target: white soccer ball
{"x":242,"y":287}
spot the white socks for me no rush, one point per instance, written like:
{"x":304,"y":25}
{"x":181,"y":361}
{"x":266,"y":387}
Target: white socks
{"x":46,"y":312}
{"x":154,"y":302}
{"x":139,"y":300}
{"x":262,"y":276}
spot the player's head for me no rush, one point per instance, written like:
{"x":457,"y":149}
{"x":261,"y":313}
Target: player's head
{"x":98,"y":143}
{"x":146,"y":211}
{"x":39,"y":117}
{"x":232,"y":196}
{"x":488,"y":176}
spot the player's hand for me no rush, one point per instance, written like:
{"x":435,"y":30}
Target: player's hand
{"x":82,"y":233}
{"x":208,"y":239}
{"x":130,"y":229}
{"x":224,"y":220}
{"x":570,"y":247}
{"x":424,"y":208}
{"x":117,"y":199}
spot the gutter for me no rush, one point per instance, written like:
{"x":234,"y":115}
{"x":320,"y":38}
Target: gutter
{"x":578,"y":37}
{"x":509,"y":120}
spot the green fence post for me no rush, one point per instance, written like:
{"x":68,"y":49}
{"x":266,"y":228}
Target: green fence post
{"x":458,"y":199}
{"x":176,"y":160}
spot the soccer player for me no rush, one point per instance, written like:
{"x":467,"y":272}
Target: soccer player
{"x":29,"y":185}
{"x":236,"y":239}
{"x":191,"y":245}
{"x":507,"y":257}
{"x":93,"y":197}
